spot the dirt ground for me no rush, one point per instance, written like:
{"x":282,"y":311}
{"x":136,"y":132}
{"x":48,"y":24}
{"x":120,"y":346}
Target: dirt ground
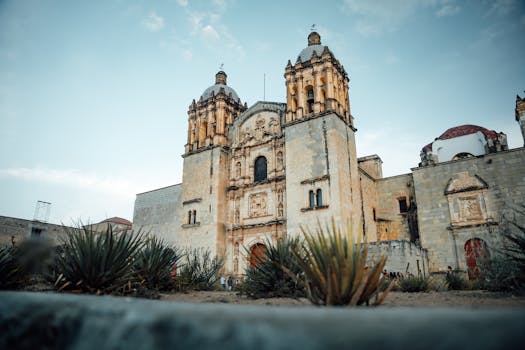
{"x":469,"y":299}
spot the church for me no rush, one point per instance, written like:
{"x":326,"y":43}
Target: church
{"x":256,"y":174}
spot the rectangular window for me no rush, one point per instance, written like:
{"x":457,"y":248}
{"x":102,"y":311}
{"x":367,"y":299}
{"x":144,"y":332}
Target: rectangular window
{"x":403,"y":207}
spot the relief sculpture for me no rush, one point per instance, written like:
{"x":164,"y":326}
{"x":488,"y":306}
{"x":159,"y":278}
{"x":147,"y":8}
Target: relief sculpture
{"x":258,"y":204}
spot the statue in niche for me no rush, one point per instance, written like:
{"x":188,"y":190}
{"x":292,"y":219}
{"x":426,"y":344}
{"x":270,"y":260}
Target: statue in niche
{"x":274,"y":125}
{"x":260,"y":129}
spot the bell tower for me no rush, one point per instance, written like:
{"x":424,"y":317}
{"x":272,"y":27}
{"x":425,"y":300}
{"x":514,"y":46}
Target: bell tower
{"x":322,"y":179}
{"x":203,"y":213}
{"x":316,"y":83}
{"x":209,"y":117}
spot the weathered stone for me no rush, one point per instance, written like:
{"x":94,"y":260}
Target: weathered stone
{"x":52,"y":321}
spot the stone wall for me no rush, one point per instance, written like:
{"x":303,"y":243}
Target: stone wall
{"x":75,"y":322}
{"x":320,"y":154}
{"x":158,"y":212}
{"x":403,"y":256}
{"x":392,"y":224}
{"x":464,"y":199}
{"x":22,"y":229}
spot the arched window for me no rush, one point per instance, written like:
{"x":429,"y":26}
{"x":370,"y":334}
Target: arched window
{"x":259,"y":169}
{"x":319,"y":197}
{"x":238,"y":170}
{"x":194,"y":216}
{"x":311,"y":199}
{"x":462,"y":155}
{"x":189,"y":216}
{"x":309,"y":99}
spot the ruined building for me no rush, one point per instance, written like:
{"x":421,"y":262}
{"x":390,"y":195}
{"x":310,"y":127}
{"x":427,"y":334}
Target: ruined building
{"x":256,"y":174}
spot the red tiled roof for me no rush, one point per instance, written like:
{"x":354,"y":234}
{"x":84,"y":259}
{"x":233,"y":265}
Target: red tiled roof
{"x":117,"y":220}
{"x":463,"y":130}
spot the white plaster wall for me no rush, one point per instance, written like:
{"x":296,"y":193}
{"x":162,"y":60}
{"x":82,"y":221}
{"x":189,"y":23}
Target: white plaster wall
{"x":445,"y":150}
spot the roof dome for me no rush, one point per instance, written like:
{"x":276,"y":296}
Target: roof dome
{"x":220,"y":83}
{"x":314,"y":44}
{"x":463,"y":130}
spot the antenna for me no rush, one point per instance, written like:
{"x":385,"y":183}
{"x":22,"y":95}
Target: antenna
{"x":264,"y":87}
{"x":312,"y":28}
{"x":42,"y":210}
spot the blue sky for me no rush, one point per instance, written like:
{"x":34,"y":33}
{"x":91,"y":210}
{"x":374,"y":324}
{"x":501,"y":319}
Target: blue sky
{"x":94,"y":94}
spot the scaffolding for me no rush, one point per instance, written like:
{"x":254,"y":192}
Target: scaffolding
{"x":42,"y":210}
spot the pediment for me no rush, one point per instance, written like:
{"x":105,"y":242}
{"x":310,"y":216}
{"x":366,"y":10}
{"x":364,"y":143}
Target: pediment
{"x":463,"y":182}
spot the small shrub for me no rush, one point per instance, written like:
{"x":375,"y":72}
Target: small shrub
{"x":12,"y":273}
{"x":335,"y":268}
{"x":268,"y":279}
{"x":456,"y":280}
{"x":98,"y":263}
{"x":199,"y":271}
{"x":505,"y":270}
{"x":155,"y":264}
{"x":415,"y":284}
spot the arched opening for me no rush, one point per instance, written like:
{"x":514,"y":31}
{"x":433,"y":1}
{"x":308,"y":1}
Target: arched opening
{"x":319,"y":198}
{"x":311,"y":199}
{"x":462,"y":155}
{"x":238,"y":170}
{"x":194,"y":217}
{"x":260,"y":169}
{"x":257,"y":254}
{"x":309,"y":99}
{"x":322,"y":100}
{"x":189,"y":216}
{"x":476,"y":255}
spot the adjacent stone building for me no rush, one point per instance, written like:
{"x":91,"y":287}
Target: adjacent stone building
{"x":253,"y":175}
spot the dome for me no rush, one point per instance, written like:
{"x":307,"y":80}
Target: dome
{"x":314,"y":44}
{"x":220,"y":83}
{"x":463,"y":130}
{"x":467,"y":129}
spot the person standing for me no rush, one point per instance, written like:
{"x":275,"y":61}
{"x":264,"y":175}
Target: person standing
{"x":223,"y":283}
{"x":230,"y":283}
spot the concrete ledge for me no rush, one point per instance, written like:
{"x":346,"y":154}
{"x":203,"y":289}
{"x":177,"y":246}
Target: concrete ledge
{"x":44,"y":321}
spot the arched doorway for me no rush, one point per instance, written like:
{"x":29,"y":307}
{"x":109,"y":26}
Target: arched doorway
{"x":257,"y":254}
{"x":476,"y":253}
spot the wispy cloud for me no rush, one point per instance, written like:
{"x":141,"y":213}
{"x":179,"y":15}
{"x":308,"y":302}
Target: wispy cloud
{"x":183,"y":3}
{"x":447,"y":8}
{"x":381,"y":16}
{"x":153,"y":22}
{"x":376,"y":17}
{"x":501,"y":7}
{"x":72,"y":178}
{"x":209,"y":27}
{"x":209,"y":33}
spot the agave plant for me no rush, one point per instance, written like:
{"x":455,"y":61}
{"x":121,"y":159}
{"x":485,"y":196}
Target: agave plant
{"x":156,"y":263}
{"x":335,"y":268}
{"x":199,"y":270}
{"x":95,"y":262}
{"x":12,"y":274}
{"x":268,"y":278}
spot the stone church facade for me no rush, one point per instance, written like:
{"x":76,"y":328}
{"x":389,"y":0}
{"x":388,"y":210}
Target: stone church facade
{"x":256,"y":174}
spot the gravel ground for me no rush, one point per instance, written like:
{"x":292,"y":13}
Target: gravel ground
{"x":471,"y":299}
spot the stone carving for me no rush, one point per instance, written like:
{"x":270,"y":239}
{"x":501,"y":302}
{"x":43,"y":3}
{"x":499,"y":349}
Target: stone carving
{"x":467,"y":200}
{"x":258,"y":204}
{"x":260,"y":128}
{"x":274,"y":126}
{"x":464,"y":182}
{"x":470,"y":208}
